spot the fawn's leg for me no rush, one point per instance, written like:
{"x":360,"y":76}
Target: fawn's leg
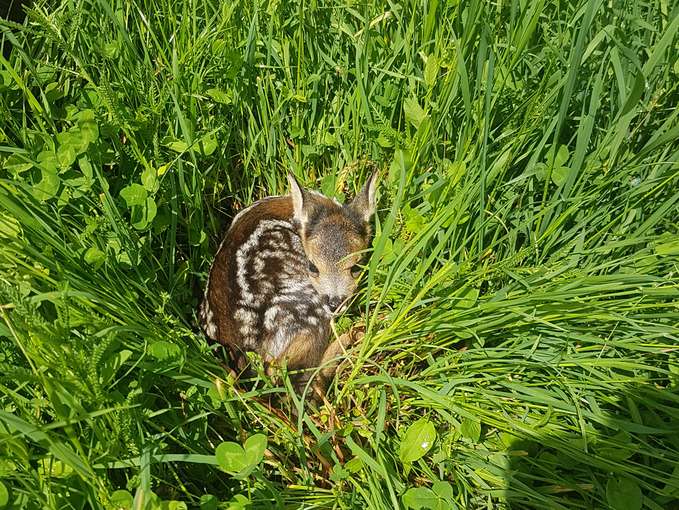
{"x":303,"y":352}
{"x":330,"y":359}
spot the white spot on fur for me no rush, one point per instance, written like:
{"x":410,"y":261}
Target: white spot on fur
{"x":295,"y":286}
{"x":247,"y":317}
{"x":207,"y":321}
{"x":259,"y":264}
{"x":270,"y":317}
{"x":279,"y":342}
{"x":245,"y":253}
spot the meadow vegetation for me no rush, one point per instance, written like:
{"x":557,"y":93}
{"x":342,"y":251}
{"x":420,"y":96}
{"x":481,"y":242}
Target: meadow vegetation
{"x":520,"y":299}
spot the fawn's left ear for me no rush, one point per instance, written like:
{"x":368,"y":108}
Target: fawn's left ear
{"x":299,"y":197}
{"x":364,"y":202}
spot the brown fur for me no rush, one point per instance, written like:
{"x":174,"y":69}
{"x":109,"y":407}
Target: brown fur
{"x":222,"y":290}
{"x":282,"y":269}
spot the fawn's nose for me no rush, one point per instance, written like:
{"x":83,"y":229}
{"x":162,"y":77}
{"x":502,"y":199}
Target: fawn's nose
{"x":334,"y":302}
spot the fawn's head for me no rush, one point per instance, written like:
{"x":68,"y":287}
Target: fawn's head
{"x":333,"y":236}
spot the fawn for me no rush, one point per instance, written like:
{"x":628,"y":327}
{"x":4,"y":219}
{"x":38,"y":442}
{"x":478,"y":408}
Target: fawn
{"x":285,"y":267}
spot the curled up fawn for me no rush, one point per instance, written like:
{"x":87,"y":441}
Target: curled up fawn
{"x":286,"y":266}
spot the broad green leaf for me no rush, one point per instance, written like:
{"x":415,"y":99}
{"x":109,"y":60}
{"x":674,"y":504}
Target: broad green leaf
{"x":296,"y":131}
{"x":142,"y":216}
{"x":560,"y":175}
{"x":231,"y":457}
{"x":220,"y":96}
{"x":87,"y":123}
{"x":151,"y":209}
{"x":148,"y":500}
{"x":540,"y":171}
{"x":413,"y":112}
{"x":6,"y":466}
{"x":238,"y":502}
{"x":110,"y":50}
{"x":149,"y":179}
{"x":329,"y":139}
{"x":207,"y":145}
{"x":417,"y":440}
{"x":328,"y":185}
{"x":95,"y":257}
{"x":354,"y":465}
{"x":255,"y":447}
{"x":85,"y":167}
{"x":17,"y":165}
{"x":73,"y":139}
{"x":562,"y":156}
{"x":134,"y":194}
{"x":621,"y":448}
{"x":47,"y":187}
{"x":173,"y":505}
{"x":471,"y":429}
{"x":208,"y":502}
{"x":53,"y":92}
{"x":47,"y":160}
{"x":623,"y":494}
{"x":197,"y":236}
{"x":431,"y":70}
{"x":177,"y":146}
{"x":164,"y":351}
{"x":415,"y":222}
{"x":443,"y":490}
{"x":122,"y":500}
{"x":338,"y":473}
{"x":420,"y":497}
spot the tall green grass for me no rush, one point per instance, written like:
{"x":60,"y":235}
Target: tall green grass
{"x":521,"y":295}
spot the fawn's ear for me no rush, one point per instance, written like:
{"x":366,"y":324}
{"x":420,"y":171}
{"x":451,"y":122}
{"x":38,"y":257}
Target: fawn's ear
{"x":364,"y":202}
{"x":299,"y":197}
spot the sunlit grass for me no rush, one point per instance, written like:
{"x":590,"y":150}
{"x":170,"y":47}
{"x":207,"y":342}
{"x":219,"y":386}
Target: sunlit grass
{"x":521,"y":295}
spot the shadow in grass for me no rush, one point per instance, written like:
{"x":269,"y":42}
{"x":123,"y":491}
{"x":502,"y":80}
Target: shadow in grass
{"x":12,"y":10}
{"x":613,"y":462}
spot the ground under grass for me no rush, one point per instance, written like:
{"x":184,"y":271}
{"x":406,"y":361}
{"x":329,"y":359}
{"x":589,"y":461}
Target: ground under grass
{"x":520,"y":301}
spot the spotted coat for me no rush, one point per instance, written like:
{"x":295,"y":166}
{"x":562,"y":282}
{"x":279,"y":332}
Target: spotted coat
{"x":260,"y":295}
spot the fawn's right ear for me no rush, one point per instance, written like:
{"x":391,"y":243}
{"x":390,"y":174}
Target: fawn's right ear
{"x":298,"y":197}
{"x":364,"y":202}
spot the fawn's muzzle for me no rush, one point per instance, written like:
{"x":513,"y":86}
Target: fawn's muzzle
{"x":334,"y":302}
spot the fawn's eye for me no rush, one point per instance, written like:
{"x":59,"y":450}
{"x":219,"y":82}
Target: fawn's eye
{"x":356,"y":270}
{"x":313,"y":269}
